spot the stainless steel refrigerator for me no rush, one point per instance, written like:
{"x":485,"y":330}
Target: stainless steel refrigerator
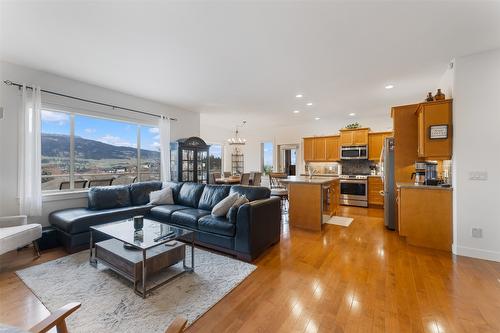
{"x":387,"y":171}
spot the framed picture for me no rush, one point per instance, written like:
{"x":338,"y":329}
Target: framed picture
{"x":438,"y":132}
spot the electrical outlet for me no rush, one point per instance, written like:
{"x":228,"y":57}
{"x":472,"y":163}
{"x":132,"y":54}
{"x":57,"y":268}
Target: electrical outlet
{"x":477,"y":232}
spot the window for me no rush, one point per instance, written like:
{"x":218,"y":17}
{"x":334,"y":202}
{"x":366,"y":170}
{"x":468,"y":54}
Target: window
{"x":81,"y":151}
{"x":267,"y":157}
{"x":215,"y":158}
{"x":55,"y":144}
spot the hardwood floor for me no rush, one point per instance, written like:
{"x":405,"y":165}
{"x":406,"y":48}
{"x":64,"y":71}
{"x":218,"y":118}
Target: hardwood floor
{"x":363,"y":278}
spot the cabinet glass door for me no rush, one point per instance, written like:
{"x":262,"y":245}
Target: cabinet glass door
{"x":188,"y":162}
{"x":202,"y":166}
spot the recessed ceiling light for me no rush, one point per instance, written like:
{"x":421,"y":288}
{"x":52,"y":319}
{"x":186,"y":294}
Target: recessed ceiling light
{"x":296,"y":111}
{"x":299,"y":95}
{"x":309,"y":104}
{"x":352,"y":114}
{"x":389,"y":86}
{"x":317,"y":118}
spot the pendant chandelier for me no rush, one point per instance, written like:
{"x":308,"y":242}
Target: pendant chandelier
{"x":236,"y":140}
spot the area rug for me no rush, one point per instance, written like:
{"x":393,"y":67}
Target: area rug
{"x":109,"y":303}
{"x":339,"y":220}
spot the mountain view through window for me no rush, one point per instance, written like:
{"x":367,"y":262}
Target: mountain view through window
{"x":104,"y":152}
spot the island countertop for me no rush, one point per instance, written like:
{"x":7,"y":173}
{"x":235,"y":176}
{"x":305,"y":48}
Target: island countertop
{"x":318,"y":180}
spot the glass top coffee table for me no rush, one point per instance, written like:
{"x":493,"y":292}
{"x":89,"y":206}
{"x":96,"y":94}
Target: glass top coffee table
{"x":135,"y":255}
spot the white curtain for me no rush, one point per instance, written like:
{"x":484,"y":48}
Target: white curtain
{"x":164,"y":126}
{"x":29,"y":154}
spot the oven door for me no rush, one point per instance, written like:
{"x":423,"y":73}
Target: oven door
{"x":354,"y":189}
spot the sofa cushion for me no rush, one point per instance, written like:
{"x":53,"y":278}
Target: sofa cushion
{"x":163,"y":213}
{"x":189,"y":194}
{"x":161,"y":197}
{"x":108,"y":197}
{"x":139,"y":192}
{"x":217,"y":225}
{"x":76,"y":220}
{"x":212,"y":195}
{"x":188,"y":217}
{"x":252,"y":192}
{"x":224,"y":205}
{"x":176,"y":187}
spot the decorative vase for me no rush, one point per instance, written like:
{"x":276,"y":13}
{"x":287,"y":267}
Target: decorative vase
{"x":429,"y":97}
{"x":138,"y":222}
{"x":439,"y":96}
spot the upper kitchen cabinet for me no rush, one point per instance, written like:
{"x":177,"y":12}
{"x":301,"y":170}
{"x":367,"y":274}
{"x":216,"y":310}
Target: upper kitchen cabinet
{"x":319,"y":151}
{"x":354,"y":137}
{"x":375,"y":144}
{"x":308,"y":149}
{"x":332,"y":148}
{"x":435,"y":129}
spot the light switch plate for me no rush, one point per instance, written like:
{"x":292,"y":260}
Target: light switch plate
{"x":478,"y":175}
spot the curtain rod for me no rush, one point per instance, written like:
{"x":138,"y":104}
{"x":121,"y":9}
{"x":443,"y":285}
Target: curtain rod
{"x":10,"y":83}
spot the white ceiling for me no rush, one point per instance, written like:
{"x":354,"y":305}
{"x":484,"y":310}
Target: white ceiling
{"x":247,"y":60}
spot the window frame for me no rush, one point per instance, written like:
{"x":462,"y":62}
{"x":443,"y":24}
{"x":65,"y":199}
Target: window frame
{"x":72,"y":112}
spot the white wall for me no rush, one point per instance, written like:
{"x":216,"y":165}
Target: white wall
{"x":188,"y":124}
{"x":476,"y":147}
{"x":258,"y":133}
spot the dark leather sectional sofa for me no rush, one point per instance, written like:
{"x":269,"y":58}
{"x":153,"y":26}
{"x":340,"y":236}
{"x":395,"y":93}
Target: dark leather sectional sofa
{"x":249,"y":230}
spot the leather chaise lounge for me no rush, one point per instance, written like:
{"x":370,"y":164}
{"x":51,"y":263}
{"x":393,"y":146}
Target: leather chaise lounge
{"x":246,"y":232}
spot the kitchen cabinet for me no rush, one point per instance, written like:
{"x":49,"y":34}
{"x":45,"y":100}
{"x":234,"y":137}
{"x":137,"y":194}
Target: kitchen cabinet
{"x":354,"y":137}
{"x":375,"y":187}
{"x":308,"y":149}
{"x":429,"y":114}
{"x":319,"y":149}
{"x":424,"y":216}
{"x":332,"y":148}
{"x":375,"y":144}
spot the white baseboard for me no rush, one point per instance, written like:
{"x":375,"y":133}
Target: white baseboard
{"x":477,"y":253}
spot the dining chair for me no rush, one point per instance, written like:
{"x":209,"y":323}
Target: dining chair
{"x":257,"y":179}
{"x":245,"y":179}
{"x":215,"y":175}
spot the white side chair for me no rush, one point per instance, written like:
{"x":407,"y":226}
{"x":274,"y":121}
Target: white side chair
{"x":15,"y":232}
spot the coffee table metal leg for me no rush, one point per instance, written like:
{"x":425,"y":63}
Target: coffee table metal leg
{"x":143,"y":273}
{"x":92,"y":259}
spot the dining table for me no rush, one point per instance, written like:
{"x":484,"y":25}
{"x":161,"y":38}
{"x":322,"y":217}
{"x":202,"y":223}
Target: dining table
{"x":228,"y":180}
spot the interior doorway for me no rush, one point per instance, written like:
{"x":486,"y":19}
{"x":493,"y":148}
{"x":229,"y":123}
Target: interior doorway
{"x":287,"y":160}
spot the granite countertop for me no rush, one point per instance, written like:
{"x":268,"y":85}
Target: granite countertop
{"x":316,"y":180}
{"x":426,"y":187}
{"x":320,"y":175}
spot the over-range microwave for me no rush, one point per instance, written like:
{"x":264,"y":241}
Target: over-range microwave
{"x":354,"y":153}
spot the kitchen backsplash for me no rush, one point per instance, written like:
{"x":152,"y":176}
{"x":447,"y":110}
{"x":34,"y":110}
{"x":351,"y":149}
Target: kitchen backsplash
{"x":357,"y":167}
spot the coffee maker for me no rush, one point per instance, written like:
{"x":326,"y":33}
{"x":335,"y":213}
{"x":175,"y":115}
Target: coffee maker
{"x":419,"y":174}
{"x":431,"y":177}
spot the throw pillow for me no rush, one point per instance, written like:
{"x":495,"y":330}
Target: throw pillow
{"x":223,"y":206}
{"x":242,"y":199}
{"x":161,"y":197}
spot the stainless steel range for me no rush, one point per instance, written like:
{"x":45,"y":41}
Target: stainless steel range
{"x":354,"y":190}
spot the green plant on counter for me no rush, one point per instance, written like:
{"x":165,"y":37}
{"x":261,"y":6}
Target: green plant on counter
{"x":353,"y":125}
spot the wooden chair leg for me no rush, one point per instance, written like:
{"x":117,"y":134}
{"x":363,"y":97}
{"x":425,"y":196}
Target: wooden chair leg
{"x":36,"y":249}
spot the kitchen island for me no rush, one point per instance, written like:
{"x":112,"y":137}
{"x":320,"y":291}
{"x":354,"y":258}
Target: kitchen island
{"x":310,"y":199}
